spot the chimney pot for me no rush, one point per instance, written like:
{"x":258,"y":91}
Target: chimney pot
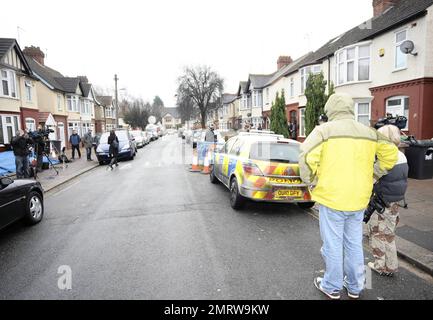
{"x":35,"y":53}
{"x":283,"y":61}
{"x":380,"y":6}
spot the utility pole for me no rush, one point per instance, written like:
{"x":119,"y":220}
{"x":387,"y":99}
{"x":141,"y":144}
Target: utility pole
{"x":117,"y":102}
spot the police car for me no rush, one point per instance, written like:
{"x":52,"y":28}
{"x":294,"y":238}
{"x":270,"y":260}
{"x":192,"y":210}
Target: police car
{"x":260,"y":166}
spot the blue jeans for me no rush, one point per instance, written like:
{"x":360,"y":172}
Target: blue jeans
{"x":22,"y":167}
{"x":342,"y":250}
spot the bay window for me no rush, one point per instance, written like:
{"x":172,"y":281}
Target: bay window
{"x":305,"y":73}
{"x":9,"y":125}
{"x":73,"y":103}
{"x":353,"y":64}
{"x":398,"y":106}
{"x":8,"y":83}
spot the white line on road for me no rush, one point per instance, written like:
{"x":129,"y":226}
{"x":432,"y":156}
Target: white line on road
{"x":67,"y":188}
{"x":126,"y":166}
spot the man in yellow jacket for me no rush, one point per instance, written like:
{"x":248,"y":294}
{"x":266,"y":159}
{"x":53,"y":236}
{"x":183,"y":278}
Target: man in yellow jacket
{"x":339,"y":160}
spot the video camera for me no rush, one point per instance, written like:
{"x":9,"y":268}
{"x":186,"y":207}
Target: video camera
{"x":399,"y":121}
{"x":377,"y":203}
{"x":41,"y":134}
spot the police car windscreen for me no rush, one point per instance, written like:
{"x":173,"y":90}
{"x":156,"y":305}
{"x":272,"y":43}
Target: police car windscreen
{"x":276,"y":152}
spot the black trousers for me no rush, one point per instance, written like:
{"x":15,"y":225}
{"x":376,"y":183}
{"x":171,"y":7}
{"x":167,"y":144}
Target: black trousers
{"x":78,"y":150}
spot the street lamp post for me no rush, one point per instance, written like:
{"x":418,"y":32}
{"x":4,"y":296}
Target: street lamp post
{"x":116,"y":99}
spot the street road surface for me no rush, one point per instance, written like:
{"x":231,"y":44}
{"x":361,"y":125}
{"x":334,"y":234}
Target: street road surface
{"x":152,"y":230}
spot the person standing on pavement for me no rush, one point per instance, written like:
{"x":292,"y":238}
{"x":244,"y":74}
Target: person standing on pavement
{"x":75,"y":140}
{"x":210,"y":134}
{"x":381,"y":227}
{"x":20,"y":148}
{"x":113,"y":142}
{"x":88,"y":144}
{"x":338,"y":159}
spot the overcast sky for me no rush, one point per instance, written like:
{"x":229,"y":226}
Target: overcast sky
{"x":148,"y":42}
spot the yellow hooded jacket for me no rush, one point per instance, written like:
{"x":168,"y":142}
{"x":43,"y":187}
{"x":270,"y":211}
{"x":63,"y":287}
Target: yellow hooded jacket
{"x":340,"y":156}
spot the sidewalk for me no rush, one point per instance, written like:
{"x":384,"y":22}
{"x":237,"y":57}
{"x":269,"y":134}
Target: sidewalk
{"x":415,"y":231}
{"x":50,"y":180}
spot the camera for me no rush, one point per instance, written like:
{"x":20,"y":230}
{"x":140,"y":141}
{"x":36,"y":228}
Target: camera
{"x":41,"y":134}
{"x":377,"y":204}
{"x":399,"y":121}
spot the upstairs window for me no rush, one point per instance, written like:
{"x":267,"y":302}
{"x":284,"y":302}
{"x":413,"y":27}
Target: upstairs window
{"x":59,"y":102}
{"x":305,"y":73}
{"x":400,"y":57}
{"x":292,"y":88}
{"x":353,"y":64}
{"x":8,"y":83}
{"x":28,"y":86}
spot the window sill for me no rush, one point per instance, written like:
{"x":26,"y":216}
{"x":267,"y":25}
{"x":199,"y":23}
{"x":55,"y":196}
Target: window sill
{"x":352,"y":83}
{"x":8,"y":97}
{"x":398,"y":70}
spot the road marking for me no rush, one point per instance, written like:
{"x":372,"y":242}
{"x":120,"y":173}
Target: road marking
{"x":64,"y":189}
{"x":126,"y":166}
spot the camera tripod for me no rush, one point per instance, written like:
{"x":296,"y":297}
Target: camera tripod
{"x":43,"y":154}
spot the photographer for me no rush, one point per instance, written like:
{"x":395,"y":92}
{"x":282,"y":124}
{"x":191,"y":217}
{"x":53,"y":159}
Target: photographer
{"x":39,"y":144}
{"x":381,"y":227}
{"x":21,"y":152}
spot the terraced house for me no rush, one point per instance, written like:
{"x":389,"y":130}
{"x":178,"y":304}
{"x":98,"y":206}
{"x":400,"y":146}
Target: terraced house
{"x":385,"y":64}
{"x":18,"y":97}
{"x":65,"y":103}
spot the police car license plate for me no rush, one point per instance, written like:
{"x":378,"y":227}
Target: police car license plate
{"x":285,"y":181}
{"x":287,"y":193}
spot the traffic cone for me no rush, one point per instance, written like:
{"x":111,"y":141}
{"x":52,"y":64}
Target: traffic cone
{"x":195,"y":167}
{"x":206,"y":164}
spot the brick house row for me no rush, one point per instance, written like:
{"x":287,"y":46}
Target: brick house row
{"x":33,"y":94}
{"x":366,"y":62}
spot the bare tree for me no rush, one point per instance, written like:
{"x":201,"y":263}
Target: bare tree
{"x":203,"y":86}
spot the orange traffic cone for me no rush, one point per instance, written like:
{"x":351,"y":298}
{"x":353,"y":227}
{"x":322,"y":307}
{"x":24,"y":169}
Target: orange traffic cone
{"x":206,"y":164}
{"x":195,"y":167}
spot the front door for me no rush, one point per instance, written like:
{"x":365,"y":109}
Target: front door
{"x":61,"y":127}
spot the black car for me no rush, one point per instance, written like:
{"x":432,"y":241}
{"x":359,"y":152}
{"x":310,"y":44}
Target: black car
{"x":20,"y":199}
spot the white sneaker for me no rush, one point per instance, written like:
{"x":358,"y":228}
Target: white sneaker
{"x":333,"y":296}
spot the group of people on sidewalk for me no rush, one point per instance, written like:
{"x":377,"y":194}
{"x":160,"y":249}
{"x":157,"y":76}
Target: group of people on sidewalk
{"x":343,"y":161}
{"x":88,"y":142}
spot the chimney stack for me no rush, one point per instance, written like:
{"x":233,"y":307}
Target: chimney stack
{"x":380,"y":6}
{"x":35,"y":53}
{"x":283,"y":61}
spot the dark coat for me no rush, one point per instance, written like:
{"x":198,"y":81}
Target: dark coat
{"x":20,"y":145}
{"x":393,"y":186}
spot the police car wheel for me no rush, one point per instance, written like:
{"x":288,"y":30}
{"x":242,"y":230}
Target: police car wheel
{"x":236,"y":199}
{"x":306,"y":205}
{"x":212,"y":177}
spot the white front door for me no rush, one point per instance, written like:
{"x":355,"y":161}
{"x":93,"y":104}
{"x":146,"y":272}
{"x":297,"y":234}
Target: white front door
{"x":61,"y":127}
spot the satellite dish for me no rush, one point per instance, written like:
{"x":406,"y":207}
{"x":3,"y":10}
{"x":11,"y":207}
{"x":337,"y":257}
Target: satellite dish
{"x":407,"y":47}
{"x":151,"y":120}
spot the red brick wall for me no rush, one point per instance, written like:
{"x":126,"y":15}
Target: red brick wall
{"x":420,"y":93}
{"x":29,"y":113}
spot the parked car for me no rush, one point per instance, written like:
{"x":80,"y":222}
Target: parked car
{"x":152,"y":131}
{"x":261,"y":167}
{"x":127,"y":147}
{"x":20,"y":199}
{"x":146,"y":138}
{"x":140,"y":139}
